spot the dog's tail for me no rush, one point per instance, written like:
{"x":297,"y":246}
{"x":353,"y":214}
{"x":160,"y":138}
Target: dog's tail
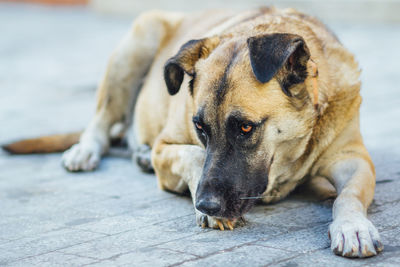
{"x":45,"y":144}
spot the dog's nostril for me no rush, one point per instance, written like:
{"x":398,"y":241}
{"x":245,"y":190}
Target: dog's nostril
{"x":208,"y":207}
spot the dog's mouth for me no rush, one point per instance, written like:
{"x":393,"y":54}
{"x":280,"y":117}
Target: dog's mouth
{"x":241,"y":205}
{"x":232,"y":215}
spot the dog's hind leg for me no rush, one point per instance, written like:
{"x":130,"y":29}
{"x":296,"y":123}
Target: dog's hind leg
{"x":118,"y":91}
{"x":142,"y":156}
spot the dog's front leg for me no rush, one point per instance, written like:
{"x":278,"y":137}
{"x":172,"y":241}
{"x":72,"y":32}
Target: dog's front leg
{"x":351,"y":233}
{"x":179,"y":167}
{"x":120,"y":86}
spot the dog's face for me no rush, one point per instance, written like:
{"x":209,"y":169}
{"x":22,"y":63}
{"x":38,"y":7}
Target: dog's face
{"x":251,"y":112}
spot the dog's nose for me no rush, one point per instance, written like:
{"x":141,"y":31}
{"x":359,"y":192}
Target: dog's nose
{"x":209,"y":207}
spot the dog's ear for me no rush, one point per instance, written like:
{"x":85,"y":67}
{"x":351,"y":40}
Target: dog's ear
{"x":281,"y":54}
{"x":185,"y":60}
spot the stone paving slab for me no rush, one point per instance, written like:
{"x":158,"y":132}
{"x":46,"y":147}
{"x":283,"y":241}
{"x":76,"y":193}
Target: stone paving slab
{"x":53,"y":259}
{"x":51,"y":61}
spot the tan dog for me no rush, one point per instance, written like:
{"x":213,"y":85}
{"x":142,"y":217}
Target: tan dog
{"x":255,"y":104}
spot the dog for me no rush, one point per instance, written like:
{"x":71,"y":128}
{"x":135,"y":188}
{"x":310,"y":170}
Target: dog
{"x":235,"y":107}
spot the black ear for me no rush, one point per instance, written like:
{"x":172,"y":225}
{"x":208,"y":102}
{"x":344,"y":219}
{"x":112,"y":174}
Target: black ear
{"x":184,"y":61}
{"x":173,"y":76}
{"x":279,"y":53}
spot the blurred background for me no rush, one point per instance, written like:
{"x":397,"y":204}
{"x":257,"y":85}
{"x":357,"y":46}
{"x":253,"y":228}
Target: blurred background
{"x":329,"y":10}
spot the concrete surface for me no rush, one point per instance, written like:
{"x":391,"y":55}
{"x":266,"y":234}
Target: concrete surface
{"x":50,"y":62}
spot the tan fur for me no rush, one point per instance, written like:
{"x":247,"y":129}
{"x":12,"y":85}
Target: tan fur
{"x":313,"y":135}
{"x":330,"y":136}
{"x":254,"y":104}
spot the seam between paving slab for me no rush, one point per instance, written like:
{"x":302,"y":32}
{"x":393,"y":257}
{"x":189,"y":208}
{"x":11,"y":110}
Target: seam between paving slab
{"x":181,"y":238}
{"x":197,"y":257}
{"x":154,"y":245}
{"x":56,"y":250}
{"x":238,"y":246}
{"x":295,"y":256}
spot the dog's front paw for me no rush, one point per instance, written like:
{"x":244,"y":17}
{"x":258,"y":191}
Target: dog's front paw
{"x":204,"y":221}
{"x":354,"y":236}
{"x":82,"y":157}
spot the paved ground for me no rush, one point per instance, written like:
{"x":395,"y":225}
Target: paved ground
{"x":51,"y":60}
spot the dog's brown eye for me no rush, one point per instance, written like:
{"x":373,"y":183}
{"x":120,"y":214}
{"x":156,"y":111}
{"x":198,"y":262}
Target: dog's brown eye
{"x":198,"y":126}
{"x":246,"y":128}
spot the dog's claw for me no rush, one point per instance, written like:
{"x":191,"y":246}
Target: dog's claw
{"x":203,"y":221}
{"x":378,"y":246}
{"x":229,"y":223}
{"x":220,"y":225}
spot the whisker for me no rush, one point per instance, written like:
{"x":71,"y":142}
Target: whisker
{"x":259,"y":197}
{"x":252,"y":197}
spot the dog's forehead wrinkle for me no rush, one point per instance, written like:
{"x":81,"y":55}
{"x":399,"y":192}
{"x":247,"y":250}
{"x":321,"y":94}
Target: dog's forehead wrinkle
{"x":223,"y":83}
{"x":221,"y":79}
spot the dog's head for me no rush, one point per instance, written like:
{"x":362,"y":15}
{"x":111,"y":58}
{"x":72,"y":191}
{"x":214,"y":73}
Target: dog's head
{"x":252,"y":111}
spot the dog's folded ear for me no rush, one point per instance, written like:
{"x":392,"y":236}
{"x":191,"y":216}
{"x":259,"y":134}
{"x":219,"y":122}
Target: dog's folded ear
{"x":279,"y":54}
{"x":185,"y":60}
